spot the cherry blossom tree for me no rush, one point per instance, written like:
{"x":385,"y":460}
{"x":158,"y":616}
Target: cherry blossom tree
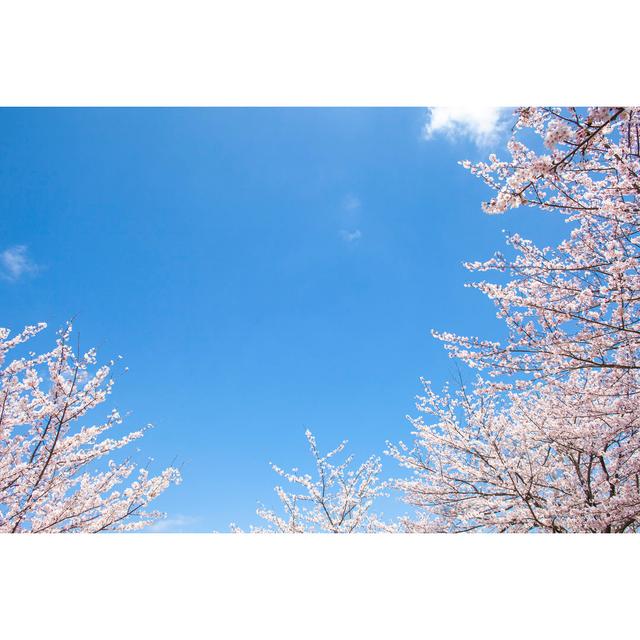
{"x":549,"y":438}
{"x":337,"y":500}
{"x":51,"y":479}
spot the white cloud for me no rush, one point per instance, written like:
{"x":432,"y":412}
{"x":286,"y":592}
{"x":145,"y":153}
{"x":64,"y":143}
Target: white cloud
{"x":15,"y":263}
{"x":483,"y":125}
{"x":351,"y":236}
{"x":351,"y":203}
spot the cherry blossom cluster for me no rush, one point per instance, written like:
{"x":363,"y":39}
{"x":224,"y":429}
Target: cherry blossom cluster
{"x":337,"y":500}
{"x":51,"y":479}
{"x":549,"y":440}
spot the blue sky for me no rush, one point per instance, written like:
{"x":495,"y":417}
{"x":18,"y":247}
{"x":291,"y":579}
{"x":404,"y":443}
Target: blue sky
{"x":262,"y":271}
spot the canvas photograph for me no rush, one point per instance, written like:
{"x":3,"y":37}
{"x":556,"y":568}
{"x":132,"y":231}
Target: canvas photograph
{"x":323,"y":320}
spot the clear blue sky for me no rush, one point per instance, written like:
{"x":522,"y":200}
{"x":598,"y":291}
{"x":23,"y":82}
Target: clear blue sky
{"x":261,"y":270}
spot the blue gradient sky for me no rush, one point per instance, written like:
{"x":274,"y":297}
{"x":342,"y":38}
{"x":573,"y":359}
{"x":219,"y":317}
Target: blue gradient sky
{"x":261,"y":270}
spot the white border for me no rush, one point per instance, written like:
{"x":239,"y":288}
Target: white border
{"x":191,"y":586}
{"x":334,"y":52}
